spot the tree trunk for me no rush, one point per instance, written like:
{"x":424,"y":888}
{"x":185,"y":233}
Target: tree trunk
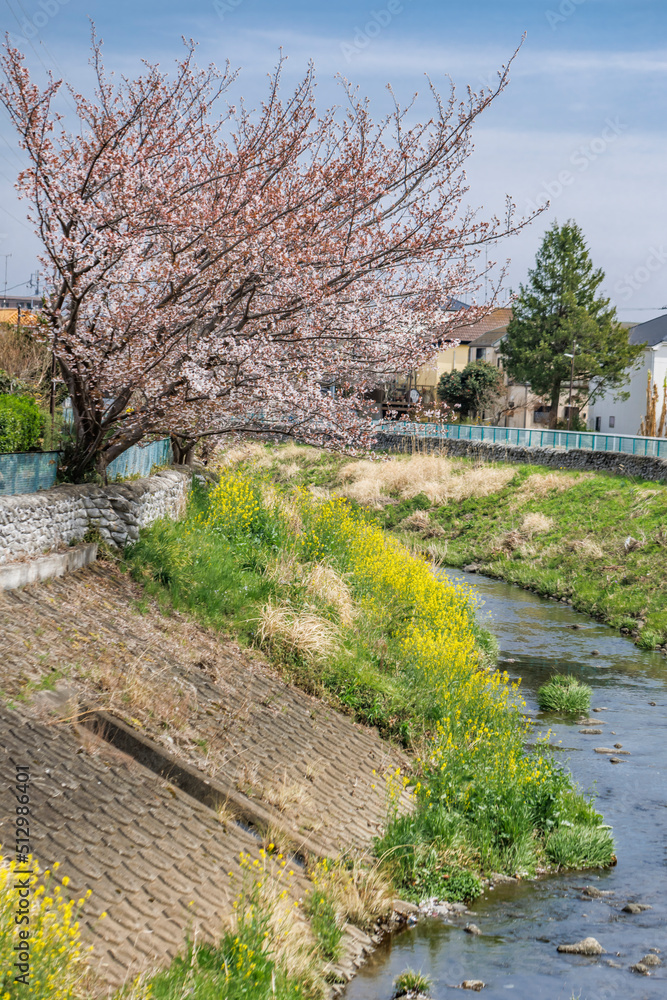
{"x":183,"y":450}
{"x":555,"y":402}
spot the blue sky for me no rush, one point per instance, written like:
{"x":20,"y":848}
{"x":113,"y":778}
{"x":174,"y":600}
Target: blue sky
{"x":582,"y":122}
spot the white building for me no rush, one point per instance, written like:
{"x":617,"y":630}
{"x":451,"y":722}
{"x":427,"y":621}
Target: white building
{"x":608,"y":415}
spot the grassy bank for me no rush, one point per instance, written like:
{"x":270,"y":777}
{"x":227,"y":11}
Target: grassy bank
{"x":599,"y":541}
{"x":349,"y":613}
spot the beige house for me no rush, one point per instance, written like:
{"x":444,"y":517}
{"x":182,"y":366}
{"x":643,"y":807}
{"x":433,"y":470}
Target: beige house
{"x":518,"y":406}
{"x":421,"y":385}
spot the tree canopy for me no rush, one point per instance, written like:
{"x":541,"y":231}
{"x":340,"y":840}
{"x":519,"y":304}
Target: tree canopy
{"x":212,"y":267}
{"x":559,"y":312}
{"x":471,"y":390}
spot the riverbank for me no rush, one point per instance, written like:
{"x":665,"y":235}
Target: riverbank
{"x":596,"y":541}
{"x":523,"y":923}
{"x":348,"y":613}
{"x":266,"y":569}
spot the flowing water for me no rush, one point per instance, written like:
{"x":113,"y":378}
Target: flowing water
{"x":522,"y":923}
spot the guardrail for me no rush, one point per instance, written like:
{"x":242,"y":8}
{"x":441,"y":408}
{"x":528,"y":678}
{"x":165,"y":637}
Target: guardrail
{"x":530,"y":438}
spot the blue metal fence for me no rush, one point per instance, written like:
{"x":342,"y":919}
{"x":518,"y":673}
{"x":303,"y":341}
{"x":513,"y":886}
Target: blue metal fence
{"x":533,"y":438}
{"x":140,"y":459}
{"x":27,"y":472}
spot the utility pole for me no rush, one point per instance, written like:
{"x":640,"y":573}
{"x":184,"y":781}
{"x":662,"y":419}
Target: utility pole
{"x":6,"y":256}
{"x":569,"y":415}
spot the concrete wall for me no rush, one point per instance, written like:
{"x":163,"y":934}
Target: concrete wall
{"x":594,"y":461}
{"x":34,"y":523}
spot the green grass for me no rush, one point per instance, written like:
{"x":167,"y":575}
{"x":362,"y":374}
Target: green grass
{"x":409,"y":981}
{"x":322,"y":915}
{"x":225,"y":585}
{"x":573,"y":846}
{"x":564,"y":693}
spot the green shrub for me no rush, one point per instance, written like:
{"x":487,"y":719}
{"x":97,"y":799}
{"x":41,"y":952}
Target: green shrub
{"x":565,"y":693}
{"x":577,"y":846}
{"x":21,"y":423}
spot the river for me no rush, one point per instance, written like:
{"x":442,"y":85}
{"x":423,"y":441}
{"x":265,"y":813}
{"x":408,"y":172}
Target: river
{"x":522,"y":923}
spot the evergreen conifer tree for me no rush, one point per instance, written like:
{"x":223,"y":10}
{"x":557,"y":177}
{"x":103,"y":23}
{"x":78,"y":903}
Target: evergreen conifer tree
{"x":559,"y":313}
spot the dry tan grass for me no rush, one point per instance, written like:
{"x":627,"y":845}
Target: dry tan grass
{"x":288,"y":471}
{"x":536,"y":523}
{"x":331,"y":588}
{"x":321,"y":582}
{"x":135,"y":691}
{"x":290,"y":938}
{"x":276,"y":501}
{"x":287,"y":793}
{"x":225,"y":814}
{"x":437,"y":553}
{"x":359,"y":893}
{"x":587,"y":548}
{"x":304,"y":633}
{"x":420,"y":521}
{"x":643,"y":500}
{"x":243,"y":452}
{"x":22,"y":355}
{"x":319,"y":492}
{"x":439,"y":479}
{"x":285,"y":569}
{"x":539,"y":485}
{"x":298,"y":453}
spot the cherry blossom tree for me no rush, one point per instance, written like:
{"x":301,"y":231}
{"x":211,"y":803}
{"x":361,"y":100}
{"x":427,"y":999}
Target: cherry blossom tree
{"x":215,"y":269}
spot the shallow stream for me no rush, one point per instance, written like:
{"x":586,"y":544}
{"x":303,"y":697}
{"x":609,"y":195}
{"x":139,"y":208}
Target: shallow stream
{"x":522,"y":923}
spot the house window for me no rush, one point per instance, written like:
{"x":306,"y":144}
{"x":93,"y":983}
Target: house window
{"x":480,"y":353}
{"x":598,"y":424}
{"x":612,"y":421}
{"x":541,"y":415}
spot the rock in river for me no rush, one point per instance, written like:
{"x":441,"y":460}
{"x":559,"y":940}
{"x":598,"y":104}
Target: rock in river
{"x":626,"y":753}
{"x":642,"y":969}
{"x":590,"y":890}
{"x":636,"y":907}
{"x":472,"y":929}
{"x":589,"y":946}
{"x":473,"y":984}
{"x":650,"y":960}
{"x":591,"y":732}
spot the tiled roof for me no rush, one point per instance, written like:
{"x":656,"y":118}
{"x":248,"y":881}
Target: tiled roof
{"x":490,"y":337}
{"x":496,"y":320}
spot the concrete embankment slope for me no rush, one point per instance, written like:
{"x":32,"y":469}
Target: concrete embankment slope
{"x":155,"y":856}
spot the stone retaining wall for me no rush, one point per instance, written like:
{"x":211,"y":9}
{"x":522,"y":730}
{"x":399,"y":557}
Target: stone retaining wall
{"x":640,"y":466}
{"x":34,"y":523}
